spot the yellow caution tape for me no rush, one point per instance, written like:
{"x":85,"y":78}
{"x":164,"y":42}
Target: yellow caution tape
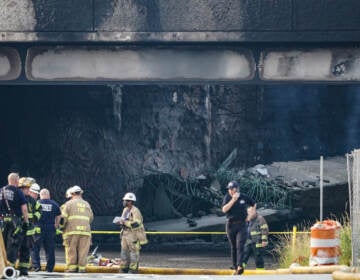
{"x":164,"y":232}
{"x":190,"y":232}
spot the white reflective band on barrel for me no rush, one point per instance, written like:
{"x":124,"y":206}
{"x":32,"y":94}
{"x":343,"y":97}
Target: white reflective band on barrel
{"x":324,"y":243}
{"x":317,"y":260}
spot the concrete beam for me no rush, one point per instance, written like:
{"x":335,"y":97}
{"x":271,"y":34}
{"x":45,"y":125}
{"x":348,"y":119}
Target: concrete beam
{"x":139,"y":64}
{"x":337,"y":64}
{"x":10,"y":64}
{"x":182,"y":37}
{"x":179,"y":21}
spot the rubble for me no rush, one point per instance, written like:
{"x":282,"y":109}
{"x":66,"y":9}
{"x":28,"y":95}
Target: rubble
{"x":282,"y":186}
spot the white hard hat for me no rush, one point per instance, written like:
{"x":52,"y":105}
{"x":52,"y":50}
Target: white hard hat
{"x":35,"y":188}
{"x":76,"y":189}
{"x":68,"y":192}
{"x":129,"y":196}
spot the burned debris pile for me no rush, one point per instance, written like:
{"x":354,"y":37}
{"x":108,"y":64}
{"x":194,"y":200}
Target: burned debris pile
{"x":171,"y":196}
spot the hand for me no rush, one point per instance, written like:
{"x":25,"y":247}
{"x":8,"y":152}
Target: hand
{"x":264,"y":243}
{"x":236,"y":196}
{"x":122,"y":220}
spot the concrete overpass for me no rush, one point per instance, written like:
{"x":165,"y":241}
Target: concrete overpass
{"x":192,"y":41}
{"x":277,"y":79}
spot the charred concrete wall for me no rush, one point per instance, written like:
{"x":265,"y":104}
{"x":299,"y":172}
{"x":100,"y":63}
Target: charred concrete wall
{"x":172,"y":20}
{"x":108,"y":139}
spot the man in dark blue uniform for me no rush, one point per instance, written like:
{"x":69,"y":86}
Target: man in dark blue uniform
{"x":48,"y":224}
{"x":14,"y":215}
{"x":235,"y":206}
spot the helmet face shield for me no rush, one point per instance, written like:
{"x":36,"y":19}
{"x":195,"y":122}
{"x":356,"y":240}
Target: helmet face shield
{"x":127,"y":202}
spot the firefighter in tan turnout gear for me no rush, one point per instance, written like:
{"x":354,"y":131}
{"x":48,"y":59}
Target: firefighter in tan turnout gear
{"x":77,"y":216}
{"x":132,"y":235}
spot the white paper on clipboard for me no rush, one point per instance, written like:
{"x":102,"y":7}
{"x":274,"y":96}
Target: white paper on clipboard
{"x":116,"y":220}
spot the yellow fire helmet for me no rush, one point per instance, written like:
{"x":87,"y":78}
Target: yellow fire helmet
{"x":26,"y":182}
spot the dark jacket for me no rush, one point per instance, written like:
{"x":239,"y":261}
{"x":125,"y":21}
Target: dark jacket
{"x":258,"y":231}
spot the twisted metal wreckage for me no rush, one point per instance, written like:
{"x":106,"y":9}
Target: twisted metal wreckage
{"x":194,"y":197}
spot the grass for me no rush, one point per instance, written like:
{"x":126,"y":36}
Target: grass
{"x":286,"y":254}
{"x":345,"y":242}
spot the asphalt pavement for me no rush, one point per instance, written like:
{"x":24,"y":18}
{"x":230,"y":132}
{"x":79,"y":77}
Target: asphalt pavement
{"x":176,"y":259}
{"x":85,"y":276}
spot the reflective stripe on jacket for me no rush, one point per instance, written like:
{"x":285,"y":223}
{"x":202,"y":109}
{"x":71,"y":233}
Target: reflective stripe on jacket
{"x":77,"y":216}
{"x":134,"y":223}
{"x":258,"y":230}
{"x":34,"y":209}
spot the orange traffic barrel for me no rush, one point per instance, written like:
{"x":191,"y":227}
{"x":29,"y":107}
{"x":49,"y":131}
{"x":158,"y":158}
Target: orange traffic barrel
{"x":325,"y":243}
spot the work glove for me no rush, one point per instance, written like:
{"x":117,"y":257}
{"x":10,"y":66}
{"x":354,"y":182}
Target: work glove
{"x":37,"y":230}
{"x":30,"y":230}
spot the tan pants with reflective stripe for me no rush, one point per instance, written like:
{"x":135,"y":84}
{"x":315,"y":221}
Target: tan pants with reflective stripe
{"x":130,"y":251}
{"x":76,"y":251}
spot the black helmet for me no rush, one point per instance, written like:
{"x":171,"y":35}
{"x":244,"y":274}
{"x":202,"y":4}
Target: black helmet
{"x":232,"y":184}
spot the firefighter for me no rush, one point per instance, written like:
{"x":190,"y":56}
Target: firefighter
{"x":257,"y":238}
{"x":34,"y":214}
{"x":34,"y":191}
{"x":132,"y":235}
{"x":77,"y":216}
{"x":68,"y":196}
{"x":59,"y":230}
{"x":14,"y":217}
